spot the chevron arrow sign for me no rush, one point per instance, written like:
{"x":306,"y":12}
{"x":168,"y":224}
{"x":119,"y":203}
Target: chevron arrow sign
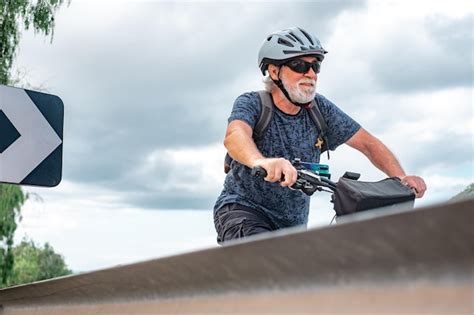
{"x":31,"y":137}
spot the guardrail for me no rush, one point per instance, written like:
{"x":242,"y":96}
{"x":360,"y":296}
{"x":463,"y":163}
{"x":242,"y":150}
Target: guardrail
{"x":418,"y":261}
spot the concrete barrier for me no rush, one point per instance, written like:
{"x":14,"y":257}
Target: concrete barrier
{"x":419,"y":261}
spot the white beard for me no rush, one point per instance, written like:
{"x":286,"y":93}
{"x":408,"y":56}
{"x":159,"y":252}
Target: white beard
{"x":301,"y":94}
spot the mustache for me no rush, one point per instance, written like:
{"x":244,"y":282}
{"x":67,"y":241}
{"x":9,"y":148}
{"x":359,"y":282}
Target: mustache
{"x":307,"y":81}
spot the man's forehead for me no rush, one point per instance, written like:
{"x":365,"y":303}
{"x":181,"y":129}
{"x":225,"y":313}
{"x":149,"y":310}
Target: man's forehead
{"x":305,"y":58}
{"x":308,"y":58}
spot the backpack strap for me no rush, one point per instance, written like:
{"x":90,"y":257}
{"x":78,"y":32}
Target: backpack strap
{"x":227,"y":161}
{"x":318,"y":120}
{"x":266,"y":114}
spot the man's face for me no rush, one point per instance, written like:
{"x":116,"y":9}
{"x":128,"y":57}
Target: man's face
{"x":300,"y":86}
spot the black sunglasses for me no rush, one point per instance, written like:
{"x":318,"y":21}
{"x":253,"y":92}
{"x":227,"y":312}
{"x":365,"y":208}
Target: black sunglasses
{"x":301,"y":66}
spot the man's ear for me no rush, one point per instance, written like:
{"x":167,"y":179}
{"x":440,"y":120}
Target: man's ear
{"x":273,"y":71}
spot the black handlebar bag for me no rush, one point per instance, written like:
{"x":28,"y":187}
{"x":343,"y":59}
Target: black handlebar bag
{"x":354,"y":196}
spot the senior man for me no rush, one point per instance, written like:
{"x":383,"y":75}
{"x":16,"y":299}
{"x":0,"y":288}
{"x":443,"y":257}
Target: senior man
{"x":290,"y":60}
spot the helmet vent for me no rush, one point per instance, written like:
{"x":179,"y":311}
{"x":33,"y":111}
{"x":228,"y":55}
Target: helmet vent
{"x":269,"y":38}
{"x":307,"y":36}
{"x":296,"y":37}
{"x":290,"y":37}
{"x":285,"y":42}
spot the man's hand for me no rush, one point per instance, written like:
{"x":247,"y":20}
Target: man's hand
{"x":416,"y":183}
{"x":276,"y":169}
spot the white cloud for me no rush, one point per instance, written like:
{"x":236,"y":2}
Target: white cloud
{"x":399,"y":46}
{"x":394,"y":9}
{"x":189,"y":170}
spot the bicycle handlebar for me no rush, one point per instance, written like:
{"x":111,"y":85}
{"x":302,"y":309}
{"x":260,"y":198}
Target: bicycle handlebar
{"x":259,"y":171}
{"x":312,"y":177}
{"x":307,"y":181}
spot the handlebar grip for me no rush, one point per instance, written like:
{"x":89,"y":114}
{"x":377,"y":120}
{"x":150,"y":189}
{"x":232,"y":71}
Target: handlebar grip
{"x":259,"y":171}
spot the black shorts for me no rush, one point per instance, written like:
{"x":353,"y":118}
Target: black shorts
{"x":234,"y":221}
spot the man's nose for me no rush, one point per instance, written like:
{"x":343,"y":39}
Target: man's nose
{"x":311,"y":74}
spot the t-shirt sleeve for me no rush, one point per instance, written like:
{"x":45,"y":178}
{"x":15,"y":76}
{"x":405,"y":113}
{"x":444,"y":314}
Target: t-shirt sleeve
{"x":246,"y":108}
{"x":341,"y":127}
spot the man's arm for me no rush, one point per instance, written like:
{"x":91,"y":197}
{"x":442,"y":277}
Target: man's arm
{"x":384,"y":159}
{"x":241,"y":147}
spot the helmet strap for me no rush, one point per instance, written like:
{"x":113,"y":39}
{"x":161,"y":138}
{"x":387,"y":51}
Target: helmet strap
{"x":280,"y":85}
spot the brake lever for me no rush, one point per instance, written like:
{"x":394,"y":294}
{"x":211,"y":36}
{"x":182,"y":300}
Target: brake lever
{"x":309,"y":176}
{"x":306,"y":182}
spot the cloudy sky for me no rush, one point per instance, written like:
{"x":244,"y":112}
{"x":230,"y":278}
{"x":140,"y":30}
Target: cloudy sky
{"x":148,"y":87}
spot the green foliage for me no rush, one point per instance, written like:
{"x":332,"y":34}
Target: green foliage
{"x":36,"y":13}
{"x":11,"y":200}
{"x":468,"y":192}
{"x":35,"y":263}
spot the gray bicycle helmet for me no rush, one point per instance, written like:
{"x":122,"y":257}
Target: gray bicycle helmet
{"x":286,"y":44}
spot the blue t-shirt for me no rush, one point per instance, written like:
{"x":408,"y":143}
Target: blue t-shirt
{"x":287,"y":136}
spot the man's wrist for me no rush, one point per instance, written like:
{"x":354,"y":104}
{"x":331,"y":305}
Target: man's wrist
{"x":256,"y":161}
